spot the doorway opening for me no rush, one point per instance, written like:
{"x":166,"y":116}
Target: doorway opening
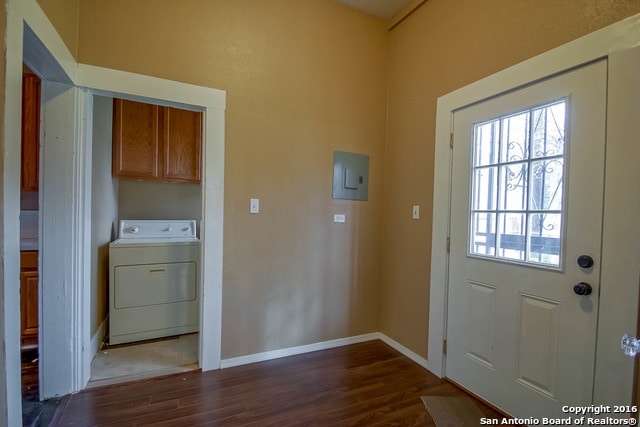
{"x":67,"y":348}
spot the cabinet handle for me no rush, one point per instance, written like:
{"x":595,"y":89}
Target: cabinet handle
{"x":157,"y":271}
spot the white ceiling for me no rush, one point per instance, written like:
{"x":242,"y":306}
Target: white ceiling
{"x":384,"y":9}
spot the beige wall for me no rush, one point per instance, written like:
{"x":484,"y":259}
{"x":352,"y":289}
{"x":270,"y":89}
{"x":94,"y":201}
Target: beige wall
{"x":63,"y":14}
{"x":303,"y":78}
{"x":159,"y":200}
{"x":443,"y":46}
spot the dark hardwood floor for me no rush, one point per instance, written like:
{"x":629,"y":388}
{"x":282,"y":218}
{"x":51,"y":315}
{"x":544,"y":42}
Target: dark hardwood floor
{"x":365,"y":384}
{"x":35,"y":413}
{"x":29,"y":374}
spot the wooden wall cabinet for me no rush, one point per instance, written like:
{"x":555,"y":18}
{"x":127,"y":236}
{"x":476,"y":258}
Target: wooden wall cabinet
{"x":29,"y":298}
{"x":30,"y":132}
{"x":152,"y":142}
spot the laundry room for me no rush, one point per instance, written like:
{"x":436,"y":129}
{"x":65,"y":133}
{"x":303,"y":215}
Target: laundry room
{"x":139,"y":203}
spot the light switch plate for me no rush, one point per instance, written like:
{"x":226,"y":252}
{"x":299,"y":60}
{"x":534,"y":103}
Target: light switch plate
{"x":416,"y":212}
{"x":339,"y":218}
{"x":254,"y":206}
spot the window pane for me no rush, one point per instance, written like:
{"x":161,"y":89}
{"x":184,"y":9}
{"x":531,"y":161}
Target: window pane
{"x":485,"y":188}
{"x":548,"y":130}
{"x":544,"y":243}
{"x":483,"y":233}
{"x":513,"y":187}
{"x":515,"y":138}
{"x":546,"y":184}
{"x":487,"y":143}
{"x":512,"y":234}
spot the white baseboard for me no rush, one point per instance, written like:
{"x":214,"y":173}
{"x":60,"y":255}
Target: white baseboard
{"x":98,"y":337}
{"x":292,"y":351}
{"x":405,"y":351}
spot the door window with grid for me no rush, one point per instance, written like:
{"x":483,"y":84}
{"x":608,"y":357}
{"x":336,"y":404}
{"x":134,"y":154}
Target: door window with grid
{"x":518,"y":186}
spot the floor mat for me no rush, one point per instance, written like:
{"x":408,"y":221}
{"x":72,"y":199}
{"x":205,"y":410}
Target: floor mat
{"x":451,"y":411}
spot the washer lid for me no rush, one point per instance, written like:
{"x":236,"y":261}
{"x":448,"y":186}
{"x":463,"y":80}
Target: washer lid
{"x":147,"y":229}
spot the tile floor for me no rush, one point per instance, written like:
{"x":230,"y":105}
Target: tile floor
{"x":133,"y":362}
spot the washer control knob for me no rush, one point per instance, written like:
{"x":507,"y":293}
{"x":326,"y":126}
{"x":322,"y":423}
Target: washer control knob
{"x":133,"y":229}
{"x":186,"y":229}
{"x":170,"y":228}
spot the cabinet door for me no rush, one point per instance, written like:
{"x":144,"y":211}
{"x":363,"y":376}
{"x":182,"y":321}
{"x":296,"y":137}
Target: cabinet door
{"x":182,"y":144}
{"x":29,"y":307}
{"x":135,"y":139}
{"x":30,"y":132}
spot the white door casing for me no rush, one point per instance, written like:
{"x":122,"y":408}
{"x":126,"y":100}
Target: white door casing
{"x":620,"y":269}
{"x":518,"y":335}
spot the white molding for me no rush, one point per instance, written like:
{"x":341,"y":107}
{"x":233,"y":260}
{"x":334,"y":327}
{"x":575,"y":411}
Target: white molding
{"x":33,"y":15}
{"x":620,"y":232}
{"x":10,"y":397}
{"x":405,"y":351}
{"x":109,"y":82}
{"x":63,"y":326}
{"x":98,"y":338}
{"x":324,"y":345}
{"x":81,"y":220}
{"x":211,"y":234}
{"x":292,"y":351}
{"x":600,"y":44}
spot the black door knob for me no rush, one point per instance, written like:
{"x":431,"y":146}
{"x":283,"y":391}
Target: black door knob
{"x":582,"y":288}
{"x":585,"y":261}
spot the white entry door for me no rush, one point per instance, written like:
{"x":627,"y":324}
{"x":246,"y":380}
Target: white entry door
{"x":526,"y":203}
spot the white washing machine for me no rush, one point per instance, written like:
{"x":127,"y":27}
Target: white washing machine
{"x":154,"y":276}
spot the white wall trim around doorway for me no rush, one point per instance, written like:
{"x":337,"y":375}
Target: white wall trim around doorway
{"x":618,"y":306}
{"x":51,"y":60}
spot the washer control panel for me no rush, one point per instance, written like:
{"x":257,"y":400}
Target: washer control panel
{"x":158,"y":229}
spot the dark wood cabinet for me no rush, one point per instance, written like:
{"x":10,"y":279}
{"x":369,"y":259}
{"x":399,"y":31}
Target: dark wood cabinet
{"x":29,"y":298}
{"x":182,"y":144}
{"x":30,"y":132}
{"x":152,"y":142}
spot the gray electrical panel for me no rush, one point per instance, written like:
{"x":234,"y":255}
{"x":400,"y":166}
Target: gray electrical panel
{"x":350,"y":176}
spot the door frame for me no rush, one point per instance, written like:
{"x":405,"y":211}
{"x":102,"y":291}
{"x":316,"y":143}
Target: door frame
{"x":614,"y":372}
{"x":69,"y":343}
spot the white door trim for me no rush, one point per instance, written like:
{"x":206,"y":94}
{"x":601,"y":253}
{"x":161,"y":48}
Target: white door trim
{"x":57,"y":61}
{"x":108,"y":82}
{"x":10,"y":396}
{"x":618,"y":308}
{"x":64,"y":259}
